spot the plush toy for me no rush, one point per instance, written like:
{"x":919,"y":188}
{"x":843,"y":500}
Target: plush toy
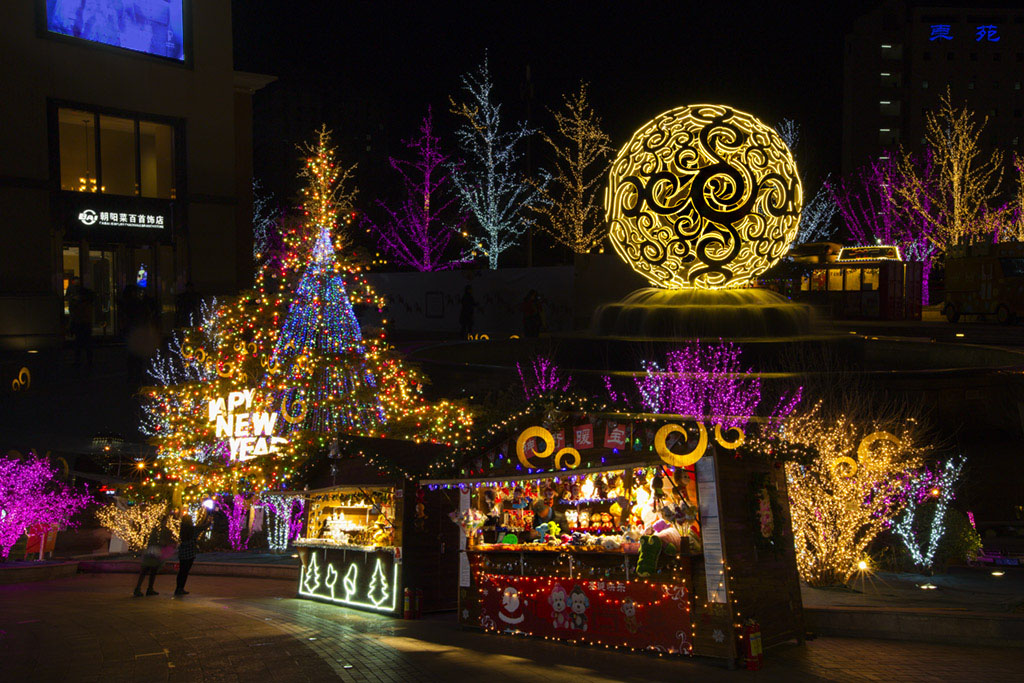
{"x":666,"y":532}
{"x":572,"y":518}
{"x":577,"y":538}
{"x":651,"y":548}
{"x":554,"y":529}
{"x":584,"y":519}
{"x":611,"y":542}
{"x":510,"y":539}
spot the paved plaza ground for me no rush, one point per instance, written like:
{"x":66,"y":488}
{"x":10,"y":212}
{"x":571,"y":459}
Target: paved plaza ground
{"x":89,"y":628}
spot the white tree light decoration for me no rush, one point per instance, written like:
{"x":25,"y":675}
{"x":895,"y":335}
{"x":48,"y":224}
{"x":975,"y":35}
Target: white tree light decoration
{"x":820,"y":210}
{"x":818,"y":214}
{"x":489,"y":181}
{"x":923,"y":487}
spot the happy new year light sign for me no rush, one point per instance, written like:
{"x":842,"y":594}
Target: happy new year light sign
{"x":249,"y":433}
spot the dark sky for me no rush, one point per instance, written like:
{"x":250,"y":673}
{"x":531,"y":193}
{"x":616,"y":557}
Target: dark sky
{"x":381,"y":63}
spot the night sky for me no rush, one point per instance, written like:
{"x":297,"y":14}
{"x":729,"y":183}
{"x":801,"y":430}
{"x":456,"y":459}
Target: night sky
{"x":375,"y":66}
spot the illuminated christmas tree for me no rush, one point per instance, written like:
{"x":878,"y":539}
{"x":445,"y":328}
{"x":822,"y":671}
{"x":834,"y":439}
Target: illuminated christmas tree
{"x":320,"y":370}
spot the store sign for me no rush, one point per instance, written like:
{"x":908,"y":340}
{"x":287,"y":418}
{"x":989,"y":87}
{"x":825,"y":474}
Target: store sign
{"x":358,"y":579}
{"x":248,"y":433}
{"x":92,"y":217}
{"x":985,"y":33}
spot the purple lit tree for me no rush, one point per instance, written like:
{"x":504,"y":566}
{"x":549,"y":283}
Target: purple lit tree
{"x":542,"y":376}
{"x":706,"y":382}
{"x":31,"y":494}
{"x":416,"y":234}
{"x":236,"y":523}
{"x":875,"y":213}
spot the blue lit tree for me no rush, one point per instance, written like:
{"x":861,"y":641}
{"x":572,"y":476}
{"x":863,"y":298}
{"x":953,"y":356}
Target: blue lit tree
{"x":322,"y":370}
{"x":489,"y":180}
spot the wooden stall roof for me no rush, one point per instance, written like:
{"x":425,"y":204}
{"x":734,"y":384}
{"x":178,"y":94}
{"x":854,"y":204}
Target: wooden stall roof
{"x":365,"y":461}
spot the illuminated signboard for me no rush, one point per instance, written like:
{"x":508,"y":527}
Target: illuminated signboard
{"x":988,"y":33}
{"x":248,"y":433}
{"x":366,"y":580}
{"x":879,"y":253}
{"x":155,"y":27}
{"x":116,"y":219}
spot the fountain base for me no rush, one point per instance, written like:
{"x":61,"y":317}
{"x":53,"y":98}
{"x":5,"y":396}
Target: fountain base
{"x":702,"y":314}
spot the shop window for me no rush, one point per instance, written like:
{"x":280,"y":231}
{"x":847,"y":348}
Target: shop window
{"x":78,"y":167}
{"x":852,"y":280}
{"x":835,"y":279}
{"x":135,"y":157}
{"x":818,"y":281}
{"x":156,"y":156}
{"x":869,"y":279}
{"x":117,"y":155}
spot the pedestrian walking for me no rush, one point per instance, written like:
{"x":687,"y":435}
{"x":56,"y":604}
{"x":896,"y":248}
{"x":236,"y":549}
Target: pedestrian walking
{"x":187,"y":548}
{"x":152,"y":559}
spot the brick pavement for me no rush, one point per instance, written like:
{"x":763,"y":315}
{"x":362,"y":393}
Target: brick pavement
{"x":88,"y":628}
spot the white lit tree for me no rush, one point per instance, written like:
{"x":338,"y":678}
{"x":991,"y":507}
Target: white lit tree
{"x":264,"y":220}
{"x":489,"y":180}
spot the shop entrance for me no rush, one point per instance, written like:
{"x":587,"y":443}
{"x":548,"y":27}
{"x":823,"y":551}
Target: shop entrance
{"x":99,"y":278}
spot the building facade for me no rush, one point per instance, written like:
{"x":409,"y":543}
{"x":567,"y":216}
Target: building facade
{"x":125,"y":161}
{"x":899,"y":60}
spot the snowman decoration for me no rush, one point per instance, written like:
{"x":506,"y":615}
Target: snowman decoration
{"x":511,"y":611}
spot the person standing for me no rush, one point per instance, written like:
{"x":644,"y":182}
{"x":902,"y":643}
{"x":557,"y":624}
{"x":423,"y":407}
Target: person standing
{"x":80,"y":306}
{"x":187,"y":549}
{"x":152,"y":558}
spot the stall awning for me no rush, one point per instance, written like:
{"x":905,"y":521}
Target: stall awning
{"x":541,"y":476}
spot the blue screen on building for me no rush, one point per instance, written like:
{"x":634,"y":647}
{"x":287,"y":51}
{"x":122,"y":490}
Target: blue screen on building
{"x":151,"y":26}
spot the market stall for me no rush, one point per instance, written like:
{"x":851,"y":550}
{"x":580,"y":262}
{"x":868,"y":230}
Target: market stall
{"x":372,"y":532}
{"x":644,"y":533}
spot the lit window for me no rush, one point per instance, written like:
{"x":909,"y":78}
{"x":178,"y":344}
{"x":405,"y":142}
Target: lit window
{"x":924,"y":85}
{"x":1016,"y":85}
{"x":117,"y":155}
{"x":78,"y":167}
{"x":130,"y":157}
{"x":156,"y":154}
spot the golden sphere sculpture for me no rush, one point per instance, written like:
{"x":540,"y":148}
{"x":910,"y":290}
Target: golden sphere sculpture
{"x":703,"y":197}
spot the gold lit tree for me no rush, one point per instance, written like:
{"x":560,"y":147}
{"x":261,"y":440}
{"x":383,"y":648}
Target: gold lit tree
{"x":848,"y":492}
{"x":950,"y":193}
{"x":329,"y":192}
{"x":567,"y":205}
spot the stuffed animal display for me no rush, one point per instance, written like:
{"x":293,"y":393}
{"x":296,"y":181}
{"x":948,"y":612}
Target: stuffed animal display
{"x":651,"y":548}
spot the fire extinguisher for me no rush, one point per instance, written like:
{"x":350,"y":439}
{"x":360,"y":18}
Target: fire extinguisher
{"x":407,"y":606}
{"x":754,"y":655}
